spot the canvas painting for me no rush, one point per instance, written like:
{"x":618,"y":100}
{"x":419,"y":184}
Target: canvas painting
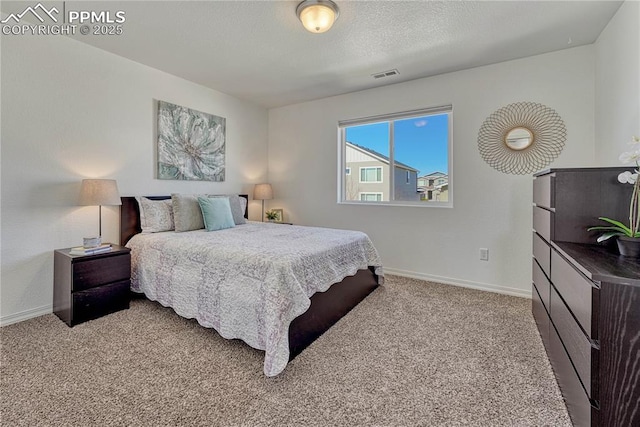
{"x":191,"y":144}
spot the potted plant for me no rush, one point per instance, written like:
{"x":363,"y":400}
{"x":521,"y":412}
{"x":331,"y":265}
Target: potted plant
{"x":628,"y":237}
{"x":271,"y":215}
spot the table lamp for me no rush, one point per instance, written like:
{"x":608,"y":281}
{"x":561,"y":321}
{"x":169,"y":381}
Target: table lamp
{"x":263,"y":192}
{"x":99,"y":192}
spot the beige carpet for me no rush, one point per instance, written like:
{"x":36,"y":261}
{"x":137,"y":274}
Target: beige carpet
{"x":413,"y":353}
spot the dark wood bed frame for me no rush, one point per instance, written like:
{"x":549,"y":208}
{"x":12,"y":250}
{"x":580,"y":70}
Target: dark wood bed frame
{"x":326,"y":307}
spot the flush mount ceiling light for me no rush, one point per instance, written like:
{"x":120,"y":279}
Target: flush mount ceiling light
{"x":317,"y":16}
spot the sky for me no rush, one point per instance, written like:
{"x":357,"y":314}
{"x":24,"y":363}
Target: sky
{"x":420,"y":142}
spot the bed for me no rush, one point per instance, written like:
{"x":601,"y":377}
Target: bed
{"x":250,"y":282}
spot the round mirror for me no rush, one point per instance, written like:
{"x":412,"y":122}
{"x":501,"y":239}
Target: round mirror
{"x":519,"y":138}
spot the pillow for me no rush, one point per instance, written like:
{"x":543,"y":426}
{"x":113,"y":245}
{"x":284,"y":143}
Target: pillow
{"x":155,"y":215}
{"x":216,"y":212}
{"x":243,"y":208}
{"x":186,"y":212}
{"x":238,"y":207}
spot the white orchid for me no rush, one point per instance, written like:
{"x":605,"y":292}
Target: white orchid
{"x":627,"y":177}
{"x":616,"y":228}
{"x":630,"y":156}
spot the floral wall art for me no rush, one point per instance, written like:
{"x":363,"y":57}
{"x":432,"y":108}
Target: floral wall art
{"x":191,"y":144}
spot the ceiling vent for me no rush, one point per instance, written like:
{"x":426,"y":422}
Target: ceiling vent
{"x":383,"y":74}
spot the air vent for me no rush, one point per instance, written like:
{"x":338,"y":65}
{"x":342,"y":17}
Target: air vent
{"x":383,"y":74}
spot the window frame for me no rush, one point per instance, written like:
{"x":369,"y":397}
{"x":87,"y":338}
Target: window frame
{"x":376,"y":193}
{"x":371,"y":182}
{"x":341,"y":133}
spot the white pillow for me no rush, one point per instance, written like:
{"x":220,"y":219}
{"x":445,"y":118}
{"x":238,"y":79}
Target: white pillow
{"x":155,"y":215}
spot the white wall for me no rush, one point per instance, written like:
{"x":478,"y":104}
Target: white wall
{"x":71,"y":111}
{"x":618,"y":84}
{"x":491,"y":209}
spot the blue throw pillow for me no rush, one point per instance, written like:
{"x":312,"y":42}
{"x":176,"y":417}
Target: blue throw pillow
{"x":216,"y":213}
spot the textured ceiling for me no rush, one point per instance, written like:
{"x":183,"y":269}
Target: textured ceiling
{"x":259,"y":51}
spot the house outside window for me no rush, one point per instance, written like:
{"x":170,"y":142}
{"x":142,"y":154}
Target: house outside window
{"x":401,"y":159}
{"x":434,"y":186}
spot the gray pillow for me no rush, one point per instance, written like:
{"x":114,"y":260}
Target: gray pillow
{"x":187,"y":215}
{"x":238,"y":207}
{"x":155,"y":215}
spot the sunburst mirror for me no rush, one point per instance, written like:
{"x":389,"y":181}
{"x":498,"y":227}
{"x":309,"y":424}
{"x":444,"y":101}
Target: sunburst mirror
{"x":521,"y":138}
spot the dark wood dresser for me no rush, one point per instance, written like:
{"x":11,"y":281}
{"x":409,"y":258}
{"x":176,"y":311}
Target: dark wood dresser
{"x":586,"y":298}
{"x":91,"y":286}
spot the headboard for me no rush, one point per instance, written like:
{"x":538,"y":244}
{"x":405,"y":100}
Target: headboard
{"x":130,"y":216}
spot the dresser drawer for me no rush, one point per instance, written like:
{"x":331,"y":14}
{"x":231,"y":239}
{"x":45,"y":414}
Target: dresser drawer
{"x":577,"y":291}
{"x":542,"y":223}
{"x":97,"y":302}
{"x":542,"y":195}
{"x":99,"y":271}
{"x":542,"y":253}
{"x":576,"y":399}
{"x":542,"y":284}
{"x":575,"y":341}
{"x":540,"y":315}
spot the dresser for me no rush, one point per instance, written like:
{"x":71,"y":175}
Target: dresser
{"x":586,"y":298}
{"x":90,"y":286}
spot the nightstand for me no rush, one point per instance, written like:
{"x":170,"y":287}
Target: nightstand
{"x":90,"y":286}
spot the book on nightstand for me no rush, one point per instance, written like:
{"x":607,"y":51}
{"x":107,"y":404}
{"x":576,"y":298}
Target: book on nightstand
{"x":81,"y":250}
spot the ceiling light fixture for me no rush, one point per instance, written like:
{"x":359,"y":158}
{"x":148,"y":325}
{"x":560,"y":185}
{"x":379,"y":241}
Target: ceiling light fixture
{"x":317,"y":16}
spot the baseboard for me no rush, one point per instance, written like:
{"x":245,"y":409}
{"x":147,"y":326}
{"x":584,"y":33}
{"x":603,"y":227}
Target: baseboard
{"x":462,"y":283}
{"x":26,"y":315}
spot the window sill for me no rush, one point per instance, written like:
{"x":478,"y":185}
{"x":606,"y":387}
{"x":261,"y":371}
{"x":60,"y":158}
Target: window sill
{"x":404,"y":204}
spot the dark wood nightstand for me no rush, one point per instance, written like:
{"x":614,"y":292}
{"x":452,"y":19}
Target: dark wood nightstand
{"x":90,"y":286}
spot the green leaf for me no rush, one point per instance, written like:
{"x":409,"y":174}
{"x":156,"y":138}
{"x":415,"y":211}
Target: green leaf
{"x":627,"y":230}
{"x":618,"y":229}
{"x":607,"y":236}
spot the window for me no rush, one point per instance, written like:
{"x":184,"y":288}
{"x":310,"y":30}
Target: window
{"x":371,"y":197}
{"x":373,"y":174}
{"x":399,"y":157}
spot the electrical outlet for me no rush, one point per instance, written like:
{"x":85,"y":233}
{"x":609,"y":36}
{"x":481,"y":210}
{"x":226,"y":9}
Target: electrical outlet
{"x":484,"y":254}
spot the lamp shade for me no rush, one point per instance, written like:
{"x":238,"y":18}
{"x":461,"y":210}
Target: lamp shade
{"x":317,"y":16}
{"x":263,"y":192}
{"x":103,"y":192}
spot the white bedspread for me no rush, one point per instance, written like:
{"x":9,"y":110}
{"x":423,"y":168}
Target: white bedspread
{"x":248,"y":282}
